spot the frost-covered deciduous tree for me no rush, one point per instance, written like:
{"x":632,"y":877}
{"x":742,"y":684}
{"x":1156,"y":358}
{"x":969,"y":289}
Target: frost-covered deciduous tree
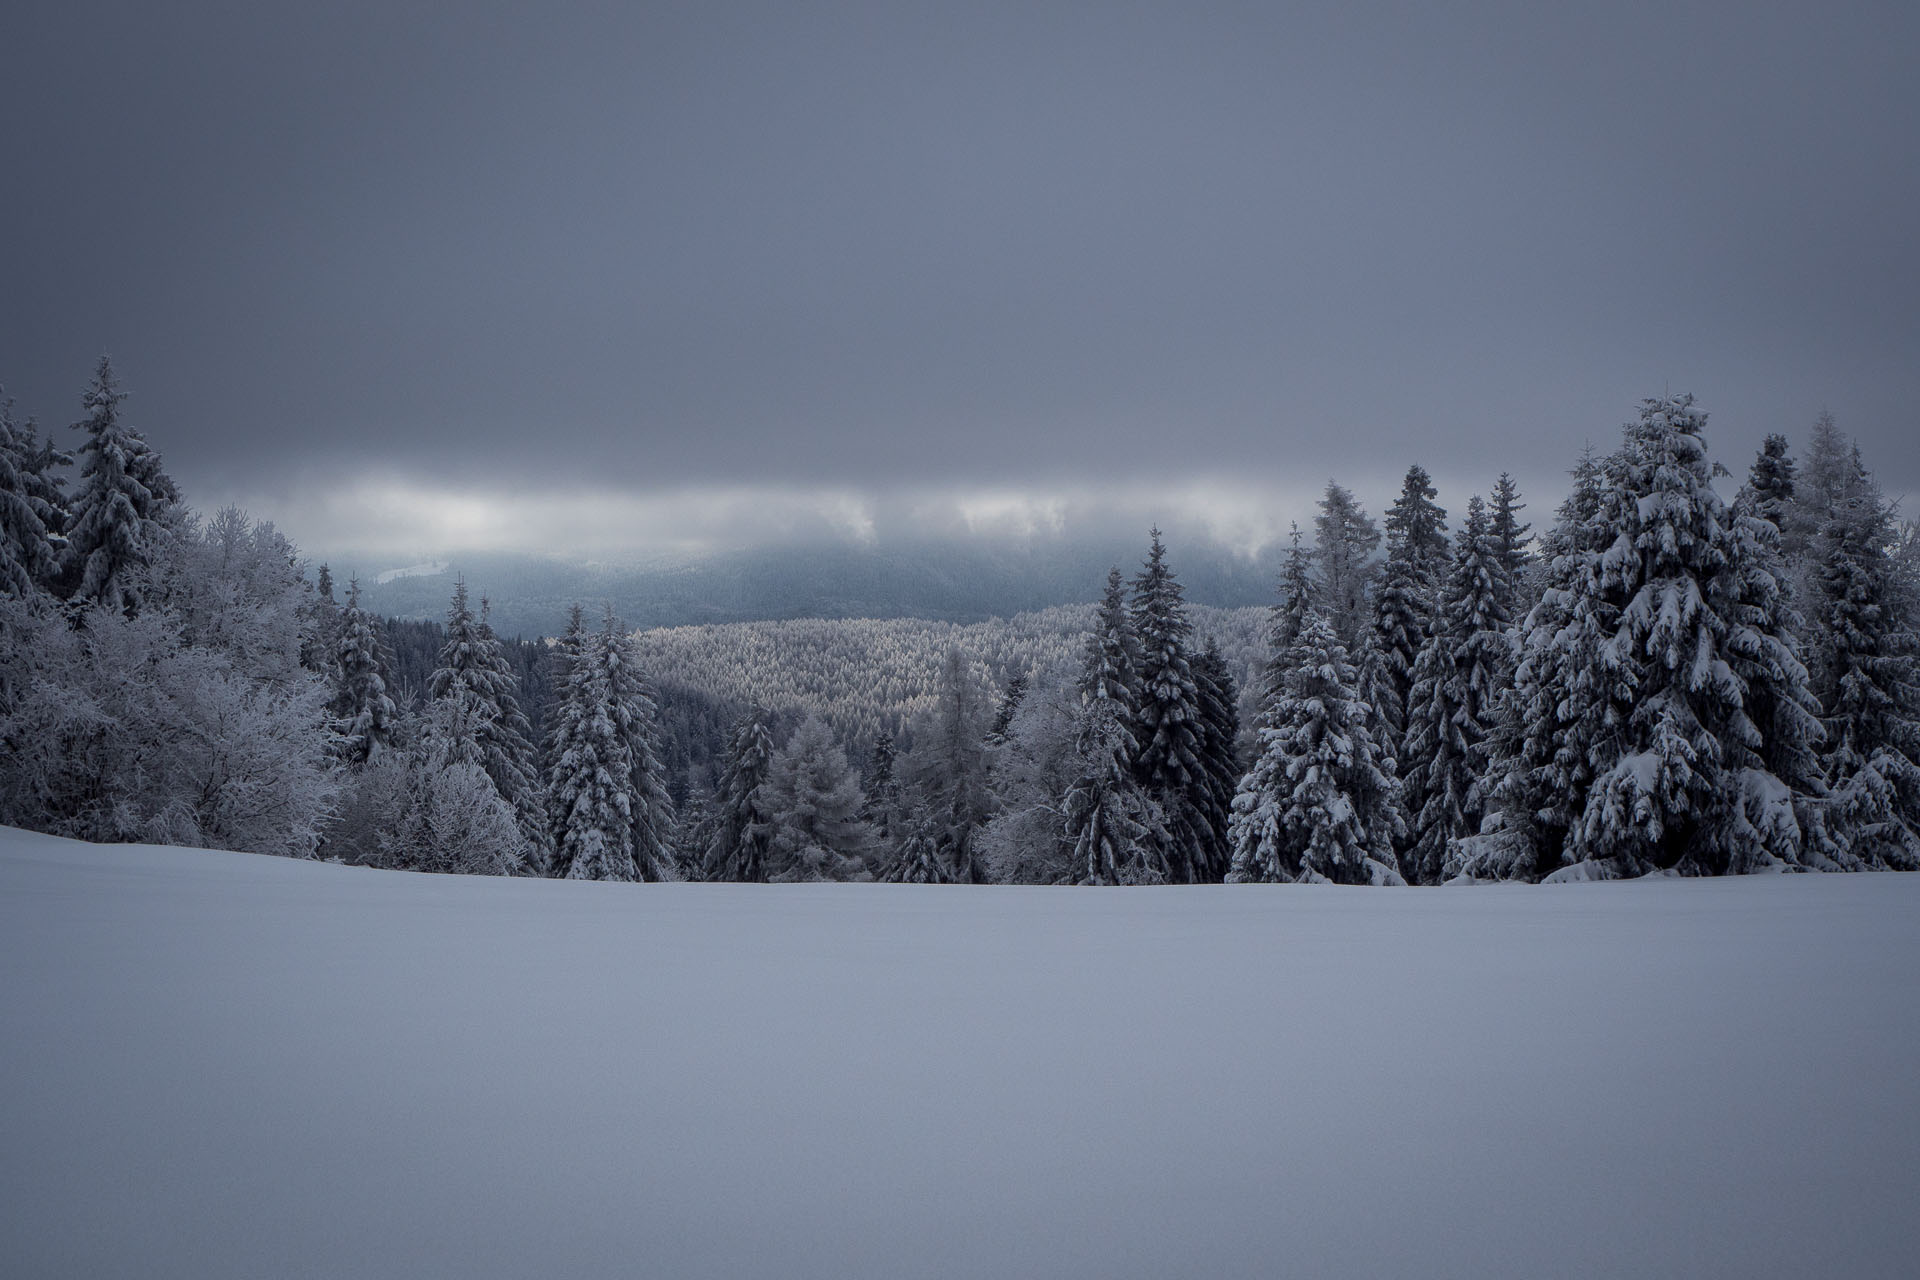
{"x":812,"y":795}
{"x":1035,"y":766}
{"x":946,"y":771}
{"x":1321,"y":803}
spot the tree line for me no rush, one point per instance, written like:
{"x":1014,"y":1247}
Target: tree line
{"x":1661,"y":680}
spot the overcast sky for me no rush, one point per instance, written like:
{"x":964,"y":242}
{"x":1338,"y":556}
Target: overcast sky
{"x":360,"y":261}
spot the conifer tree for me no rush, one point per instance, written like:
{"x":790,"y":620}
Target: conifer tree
{"x":1220,"y":766}
{"x":1510,"y":540}
{"x":1297,"y":597}
{"x":1461,"y":674}
{"x":1707,"y":685}
{"x":634,"y":711}
{"x":1345,"y":538}
{"x":1403,"y":602}
{"x":1115,"y":829}
{"x":1321,"y":803}
{"x":30,"y":518}
{"x":1870,"y":686}
{"x":1770,"y":482}
{"x":473,"y":670}
{"x":125,"y":509}
{"x":590,"y":791}
{"x":743,"y":820}
{"x":948,"y":769}
{"x":1417,"y":525}
{"x":881,"y":806}
{"x":1010,"y":699}
{"x":361,"y":704}
{"x":1167,"y":724}
{"x":813,"y":795}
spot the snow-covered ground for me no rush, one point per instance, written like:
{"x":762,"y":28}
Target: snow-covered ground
{"x":220,"y":1065}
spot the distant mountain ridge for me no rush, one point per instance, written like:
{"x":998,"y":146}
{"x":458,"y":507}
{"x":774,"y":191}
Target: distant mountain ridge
{"x":960,"y":581}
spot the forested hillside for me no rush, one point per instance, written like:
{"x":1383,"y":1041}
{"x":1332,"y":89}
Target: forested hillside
{"x":1661,"y":678}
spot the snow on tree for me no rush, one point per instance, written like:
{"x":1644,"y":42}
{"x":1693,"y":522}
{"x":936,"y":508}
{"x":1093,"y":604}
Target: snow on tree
{"x":1459,"y":678}
{"x":813,"y":796}
{"x":743,"y":819}
{"x":1298,"y":595}
{"x":1219,"y":759}
{"x":634,"y":709}
{"x":1403,"y":601}
{"x":1166,"y":723}
{"x":947,"y":769}
{"x":1869,"y":683}
{"x":1345,"y":538}
{"x":474,"y":673}
{"x":124,"y":511}
{"x":1705,"y":671}
{"x":361,"y":703}
{"x":1321,"y":803}
{"x":590,"y":771}
{"x":30,"y":543}
{"x":880,"y":806}
{"x":919,"y":860}
{"x":1770,"y":483}
{"x":1010,"y":700}
{"x":1115,"y":827}
{"x":1510,"y":539}
{"x":1035,"y":766}
{"x":1563,"y":704}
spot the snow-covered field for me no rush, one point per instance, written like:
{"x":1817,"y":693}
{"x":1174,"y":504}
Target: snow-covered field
{"x":220,"y":1065}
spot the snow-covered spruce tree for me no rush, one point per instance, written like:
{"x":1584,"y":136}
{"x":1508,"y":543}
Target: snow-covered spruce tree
{"x":1321,"y":803}
{"x":589,"y":774}
{"x":1770,"y":486}
{"x":1298,"y":595}
{"x":1403,"y":599}
{"x":1345,"y":538}
{"x":1010,"y":700}
{"x":126,"y":508}
{"x":361,"y":703}
{"x":1462,"y":672}
{"x":1870,"y":686}
{"x":30,"y":517}
{"x":1708,"y":688}
{"x":743,"y":820}
{"x":1510,"y":539}
{"x":1115,"y":828}
{"x":1167,"y":726}
{"x":813,"y":795}
{"x":474,"y":670}
{"x":635,"y":712}
{"x":1219,"y":759}
{"x":1562,"y":710}
{"x":880,"y":804}
{"x":947,"y":769}
{"x":918,"y":860}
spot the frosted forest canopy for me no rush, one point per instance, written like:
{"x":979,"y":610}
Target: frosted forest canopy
{"x":1658,"y":679}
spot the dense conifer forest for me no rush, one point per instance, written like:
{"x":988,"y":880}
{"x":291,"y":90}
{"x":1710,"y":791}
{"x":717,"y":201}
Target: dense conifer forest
{"x":1656,"y":676}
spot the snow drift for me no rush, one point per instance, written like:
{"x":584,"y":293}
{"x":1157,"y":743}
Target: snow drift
{"x":230,"y":1065}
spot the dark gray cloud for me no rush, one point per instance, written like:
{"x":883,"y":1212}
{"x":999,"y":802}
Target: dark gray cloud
{"x":998,"y":247}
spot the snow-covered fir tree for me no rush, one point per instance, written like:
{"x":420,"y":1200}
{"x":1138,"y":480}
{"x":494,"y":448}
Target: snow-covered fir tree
{"x":1403,"y":599}
{"x":1219,"y":745}
{"x":743,"y":819}
{"x":1459,"y":679}
{"x":880,"y":803}
{"x":1115,"y":829}
{"x":1166,"y":724}
{"x":1345,"y":538}
{"x":1868,"y":682}
{"x":635,"y":711}
{"x":473,"y":669}
{"x":361,"y":703}
{"x":590,"y":771}
{"x":30,"y":516}
{"x":1512,"y":539}
{"x":126,"y":507}
{"x":1704,"y":682}
{"x":1298,"y":595}
{"x":813,"y":797}
{"x":1321,"y":803}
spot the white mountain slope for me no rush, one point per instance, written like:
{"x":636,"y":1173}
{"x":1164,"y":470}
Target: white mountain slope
{"x":230,"y":1065}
